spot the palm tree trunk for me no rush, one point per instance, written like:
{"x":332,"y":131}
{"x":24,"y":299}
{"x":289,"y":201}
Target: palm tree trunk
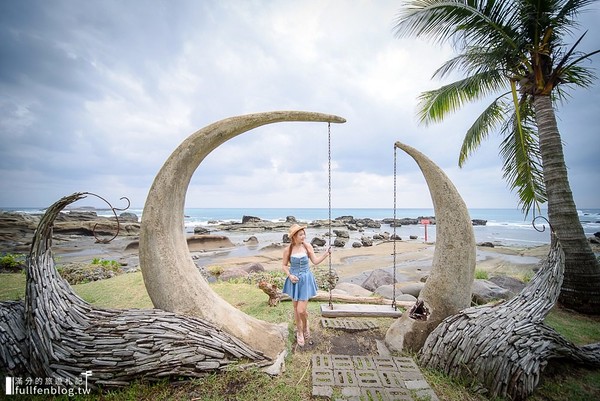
{"x":581,"y":285}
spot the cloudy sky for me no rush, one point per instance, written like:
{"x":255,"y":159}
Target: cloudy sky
{"x":95,"y":95}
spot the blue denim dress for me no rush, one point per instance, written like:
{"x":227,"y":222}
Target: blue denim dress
{"x":306,"y":287}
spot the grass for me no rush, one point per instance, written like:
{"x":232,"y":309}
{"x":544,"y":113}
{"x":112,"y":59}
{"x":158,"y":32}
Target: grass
{"x":559,"y":381}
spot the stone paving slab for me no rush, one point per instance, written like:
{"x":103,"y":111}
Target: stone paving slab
{"x":368,"y":378}
{"x":348,"y":324}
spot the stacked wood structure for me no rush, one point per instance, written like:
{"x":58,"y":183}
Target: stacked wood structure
{"x":54,"y":333}
{"x":506,"y":346}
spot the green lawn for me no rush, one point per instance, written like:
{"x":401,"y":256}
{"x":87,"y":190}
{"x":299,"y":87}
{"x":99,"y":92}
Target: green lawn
{"x":559,"y":382}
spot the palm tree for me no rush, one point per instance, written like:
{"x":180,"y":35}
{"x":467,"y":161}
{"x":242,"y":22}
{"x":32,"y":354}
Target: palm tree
{"x":513,"y":50}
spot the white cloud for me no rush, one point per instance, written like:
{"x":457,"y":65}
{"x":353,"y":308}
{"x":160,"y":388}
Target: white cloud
{"x":96,"y":97}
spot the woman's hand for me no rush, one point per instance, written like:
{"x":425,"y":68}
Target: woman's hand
{"x":294,"y":279}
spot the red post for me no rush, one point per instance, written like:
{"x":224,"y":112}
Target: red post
{"x":425,"y":222}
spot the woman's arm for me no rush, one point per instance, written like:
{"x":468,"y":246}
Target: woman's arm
{"x":285,"y":267}
{"x":313,"y":257}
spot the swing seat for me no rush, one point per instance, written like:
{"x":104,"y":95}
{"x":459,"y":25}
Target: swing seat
{"x":359,"y":310}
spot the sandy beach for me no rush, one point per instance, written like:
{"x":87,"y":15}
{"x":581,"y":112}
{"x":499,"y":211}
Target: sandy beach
{"x":413,"y":257}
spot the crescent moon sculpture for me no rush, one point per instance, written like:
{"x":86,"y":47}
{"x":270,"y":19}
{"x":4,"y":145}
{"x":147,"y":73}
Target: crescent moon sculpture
{"x":448,"y":287}
{"x":172,"y":280}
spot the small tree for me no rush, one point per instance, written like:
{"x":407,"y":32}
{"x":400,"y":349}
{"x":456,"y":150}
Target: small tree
{"x":515,"y":48}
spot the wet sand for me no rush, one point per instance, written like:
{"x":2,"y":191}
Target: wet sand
{"x":413,"y":258}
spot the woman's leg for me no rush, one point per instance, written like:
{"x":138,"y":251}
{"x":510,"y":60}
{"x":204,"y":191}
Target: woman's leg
{"x":303,"y":316}
{"x":298,"y":321}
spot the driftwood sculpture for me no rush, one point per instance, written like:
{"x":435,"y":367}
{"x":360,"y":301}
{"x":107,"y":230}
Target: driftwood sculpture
{"x":506,"y":346}
{"x":170,"y":275}
{"x":56,"y":334}
{"x":448,"y":287}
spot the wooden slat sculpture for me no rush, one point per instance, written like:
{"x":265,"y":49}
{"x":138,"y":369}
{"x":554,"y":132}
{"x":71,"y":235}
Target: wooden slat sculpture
{"x":54,"y":333}
{"x":506,"y":346}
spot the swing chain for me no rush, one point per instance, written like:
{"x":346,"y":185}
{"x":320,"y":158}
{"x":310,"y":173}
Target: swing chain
{"x":394,"y":237}
{"x":331,"y":278}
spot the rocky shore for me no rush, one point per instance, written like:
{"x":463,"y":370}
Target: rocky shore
{"x":87,"y":248}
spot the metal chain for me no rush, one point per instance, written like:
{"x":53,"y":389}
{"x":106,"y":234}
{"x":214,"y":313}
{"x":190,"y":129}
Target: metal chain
{"x":394,"y":238}
{"x":331,"y":280}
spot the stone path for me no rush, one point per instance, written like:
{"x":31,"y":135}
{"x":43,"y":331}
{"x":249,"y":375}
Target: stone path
{"x":368,"y":378}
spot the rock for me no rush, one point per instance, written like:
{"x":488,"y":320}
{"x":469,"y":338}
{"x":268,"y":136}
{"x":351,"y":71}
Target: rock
{"x":387,"y":291}
{"x":413,"y":289}
{"x":594,"y":239}
{"x":339,"y":243}
{"x":511,"y":284}
{"x":356,"y":244}
{"x":128,"y":216}
{"x":345,"y":219}
{"x":198,"y":243}
{"x":395,"y":237}
{"x":354,"y":289}
{"x":376,"y":279}
{"x":366,"y":241}
{"x":484,"y":291}
{"x":199,"y":230}
{"x":233,"y":274}
{"x":341,"y":233}
{"x":413,"y":237}
{"x":318,"y":242}
{"x":253,"y":268}
{"x":251,"y":219}
{"x":251,"y":241}
{"x":291,"y":220}
{"x":486,"y":244}
{"x":406,"y":298}
{"x":478,"y":222}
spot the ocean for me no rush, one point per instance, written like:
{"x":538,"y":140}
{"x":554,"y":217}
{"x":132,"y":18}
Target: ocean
{"x":506,"y":227}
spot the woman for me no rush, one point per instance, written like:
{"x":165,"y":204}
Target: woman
{"x":300,"y":284}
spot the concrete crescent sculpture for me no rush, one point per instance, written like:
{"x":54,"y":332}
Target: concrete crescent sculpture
{"x":170,"y":275}
{"x":448,"y":287}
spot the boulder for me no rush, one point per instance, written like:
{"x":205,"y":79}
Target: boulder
{"x":484,"y":291}
{"x":354,"y":289}
{"x":318,"y":242}
{"x":356,"y":244}
{"x":233,"y":274}
{"x":376,"y":279}
{"x":413,"y":289}
{"x":341,"y":233}
{"x":508,"y":283}
{"x":128,"y":216}
{"x":251,"y":219}
{"x":253,"y":268}
{"x":366,"y":241}
{"x":387,"y":291}
{"x":198,"y":243}
{"x":199,"y":230}
{"x":339,"y":243}
{"x":406,"y":298}
{"x":251,"y":241}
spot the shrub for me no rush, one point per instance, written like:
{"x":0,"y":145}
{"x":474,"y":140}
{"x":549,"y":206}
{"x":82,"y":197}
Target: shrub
{"x":481,"y":274}
{"x":12,"y":262}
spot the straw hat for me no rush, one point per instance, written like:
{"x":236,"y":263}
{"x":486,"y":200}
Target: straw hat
{"x":294,"y":229}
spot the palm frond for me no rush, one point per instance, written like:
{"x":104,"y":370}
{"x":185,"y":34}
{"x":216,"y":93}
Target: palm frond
{"x":443,"y":20}
{"x":434,"y":105}
{"x":522,"y":167}
{"x":492,"y":116}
